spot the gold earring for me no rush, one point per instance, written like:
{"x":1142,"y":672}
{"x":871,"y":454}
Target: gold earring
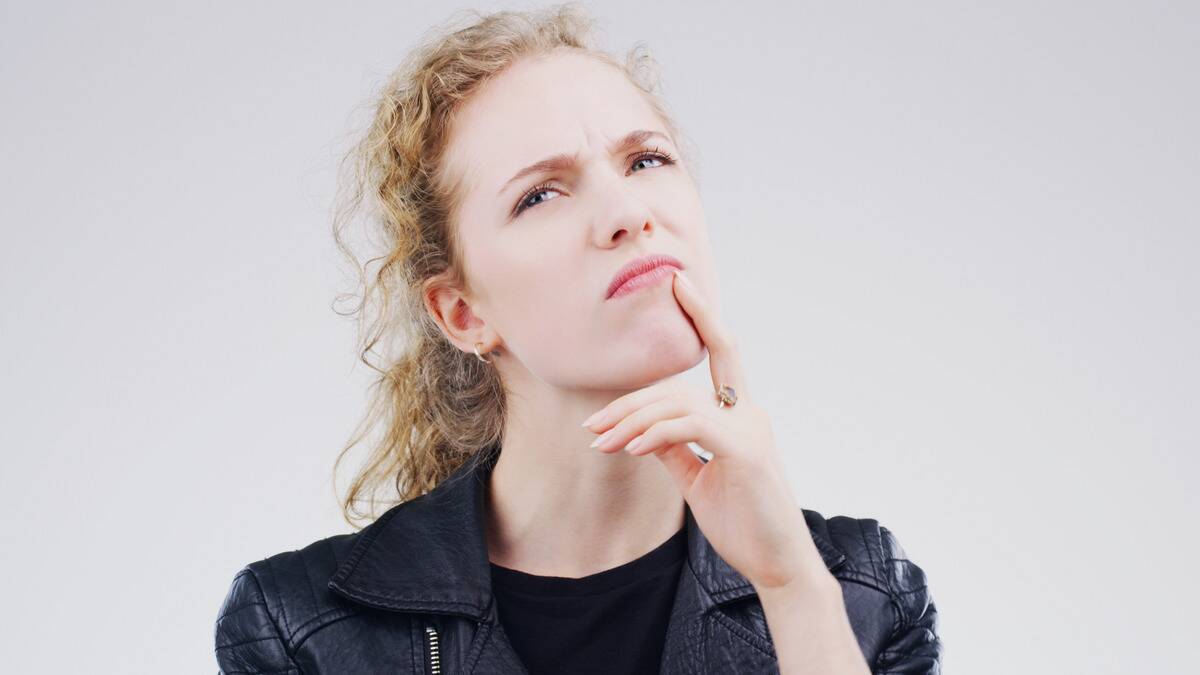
{"x":478,"y":355}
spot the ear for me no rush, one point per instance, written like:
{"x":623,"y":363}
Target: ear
{"x":451,"y":310}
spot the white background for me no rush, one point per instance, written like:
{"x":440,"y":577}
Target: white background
{"x":958,"y":244}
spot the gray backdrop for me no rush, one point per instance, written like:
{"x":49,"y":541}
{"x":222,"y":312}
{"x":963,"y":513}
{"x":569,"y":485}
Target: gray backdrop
{"x":957,"y":242}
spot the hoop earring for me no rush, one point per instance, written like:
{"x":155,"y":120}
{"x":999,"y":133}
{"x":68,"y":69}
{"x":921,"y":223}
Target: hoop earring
{"x":478,"y":355}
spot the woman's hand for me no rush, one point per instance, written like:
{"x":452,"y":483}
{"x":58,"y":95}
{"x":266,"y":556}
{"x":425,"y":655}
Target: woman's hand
{"x":740,"y":498}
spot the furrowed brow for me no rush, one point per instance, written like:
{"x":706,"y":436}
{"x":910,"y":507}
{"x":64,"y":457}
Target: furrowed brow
{"x":564,"y":160}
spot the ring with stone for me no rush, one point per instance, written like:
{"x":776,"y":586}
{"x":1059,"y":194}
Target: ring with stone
{"x":726,"y":396}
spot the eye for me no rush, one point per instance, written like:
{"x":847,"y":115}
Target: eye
{"x":656,"y":154}
{"x":664,"y":158}
{"x":526,"y":199}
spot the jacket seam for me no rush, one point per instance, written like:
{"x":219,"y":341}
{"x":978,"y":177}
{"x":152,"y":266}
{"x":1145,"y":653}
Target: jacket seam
{"x":739,"y":631}
{"x":386,"y":597}
{"x":417,"y":652}
{"x":312,"y":590}
{"x":348,"y":614}
{"x":904,"y":619}
{"x":282,"y":609}
{"x":230,"y":612}
{"x":868,"y":580}
{"x":475,"y":654}
{"x":901,"y":620}
{"x":865,"y":583}
{"x":344,"y":612}
{"x":727,"y":594}
{"x":874,"y":585}
{"x":287,"y":651}
{"x":384,"y":593}
{"x":876,"y":569}
{"x":231,"y":645}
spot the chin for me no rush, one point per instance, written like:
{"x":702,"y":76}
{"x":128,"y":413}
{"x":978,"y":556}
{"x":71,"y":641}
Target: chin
{"x":673,"y":359}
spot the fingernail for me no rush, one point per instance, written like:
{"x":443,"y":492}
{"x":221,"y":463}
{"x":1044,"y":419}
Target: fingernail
{"x":601,"y":438}
{"x":596,"y":417}
{"x":632,"y":445}
{"x":687,"y":282}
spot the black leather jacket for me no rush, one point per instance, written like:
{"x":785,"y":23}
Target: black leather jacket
{"x":411,"y":593}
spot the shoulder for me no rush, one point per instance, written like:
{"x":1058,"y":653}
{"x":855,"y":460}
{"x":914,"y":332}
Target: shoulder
{"x":875,"y":558}
{"x":888,"y":598}
{"x":274,"y":603}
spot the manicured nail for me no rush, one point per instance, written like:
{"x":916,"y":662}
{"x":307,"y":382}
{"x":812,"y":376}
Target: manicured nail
{"x":596,"y":417}
{"x":602,"y":437}
{"x":632,"y":445}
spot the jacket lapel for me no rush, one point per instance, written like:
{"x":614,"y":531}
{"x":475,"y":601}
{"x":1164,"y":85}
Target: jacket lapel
{"x":429,"y":554}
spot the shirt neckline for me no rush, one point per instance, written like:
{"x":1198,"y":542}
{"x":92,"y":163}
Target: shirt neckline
{"x":666,"y":557}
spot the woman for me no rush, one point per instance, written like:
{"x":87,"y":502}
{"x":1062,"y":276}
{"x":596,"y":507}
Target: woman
{"x":545,"y":240}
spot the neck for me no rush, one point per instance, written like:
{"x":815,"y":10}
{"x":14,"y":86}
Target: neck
{"x":563,"y":509}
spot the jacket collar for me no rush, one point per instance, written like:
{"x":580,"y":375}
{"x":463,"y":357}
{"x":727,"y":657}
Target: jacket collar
{"x":429,"y":554}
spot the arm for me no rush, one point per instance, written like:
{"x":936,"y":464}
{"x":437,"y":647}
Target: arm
{"x":816,"y":614}
{"x":247,"y":638}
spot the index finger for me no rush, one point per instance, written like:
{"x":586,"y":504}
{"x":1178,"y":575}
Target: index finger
{"x":724,"y":361}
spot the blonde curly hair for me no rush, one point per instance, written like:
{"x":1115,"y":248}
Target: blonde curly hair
{"x":436,"y":406}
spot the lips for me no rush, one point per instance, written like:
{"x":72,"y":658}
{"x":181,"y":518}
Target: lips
{"x":639,"y":266}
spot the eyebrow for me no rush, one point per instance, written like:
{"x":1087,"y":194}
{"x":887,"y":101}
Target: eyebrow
{"x":565,"y":160}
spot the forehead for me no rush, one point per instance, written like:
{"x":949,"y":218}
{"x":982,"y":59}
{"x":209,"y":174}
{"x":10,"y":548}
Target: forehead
{"x":538,"y":107}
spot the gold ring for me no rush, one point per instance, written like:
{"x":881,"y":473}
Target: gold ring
{"x":726,"y":396}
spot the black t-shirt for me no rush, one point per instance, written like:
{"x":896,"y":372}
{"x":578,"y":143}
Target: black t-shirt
{"x":608,"y":623}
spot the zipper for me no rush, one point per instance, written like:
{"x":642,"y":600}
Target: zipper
{"x":434,"y":650}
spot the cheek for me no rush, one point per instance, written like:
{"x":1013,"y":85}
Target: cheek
{"x":541,"y":299}
{"x":539,"y":276}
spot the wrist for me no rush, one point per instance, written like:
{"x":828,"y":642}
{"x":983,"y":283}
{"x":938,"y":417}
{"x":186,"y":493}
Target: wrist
{"x":819,"y":586}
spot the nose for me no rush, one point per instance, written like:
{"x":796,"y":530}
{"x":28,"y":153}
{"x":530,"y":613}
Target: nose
{"x":623,"y":214}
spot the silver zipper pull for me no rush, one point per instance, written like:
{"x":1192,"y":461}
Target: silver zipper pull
{"x":435,"y":656}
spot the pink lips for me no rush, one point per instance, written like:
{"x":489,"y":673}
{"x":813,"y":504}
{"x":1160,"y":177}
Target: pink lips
{"x":642,"y":272}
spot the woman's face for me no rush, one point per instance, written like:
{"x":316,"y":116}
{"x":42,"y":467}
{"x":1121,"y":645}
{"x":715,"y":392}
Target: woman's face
{"x":542,"y":247}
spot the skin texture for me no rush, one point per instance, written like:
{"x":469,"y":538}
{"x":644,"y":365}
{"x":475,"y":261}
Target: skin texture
{"x":536,"y":293}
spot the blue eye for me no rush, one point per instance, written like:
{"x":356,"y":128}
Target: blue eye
{"x":651,"y":157}
{"x":526,"y":200}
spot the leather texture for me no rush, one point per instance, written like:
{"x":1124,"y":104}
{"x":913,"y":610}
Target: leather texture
{"x":411,"y":593}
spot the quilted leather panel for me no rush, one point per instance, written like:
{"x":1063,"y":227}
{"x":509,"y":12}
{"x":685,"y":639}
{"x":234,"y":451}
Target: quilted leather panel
{"x":247,"y":638}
